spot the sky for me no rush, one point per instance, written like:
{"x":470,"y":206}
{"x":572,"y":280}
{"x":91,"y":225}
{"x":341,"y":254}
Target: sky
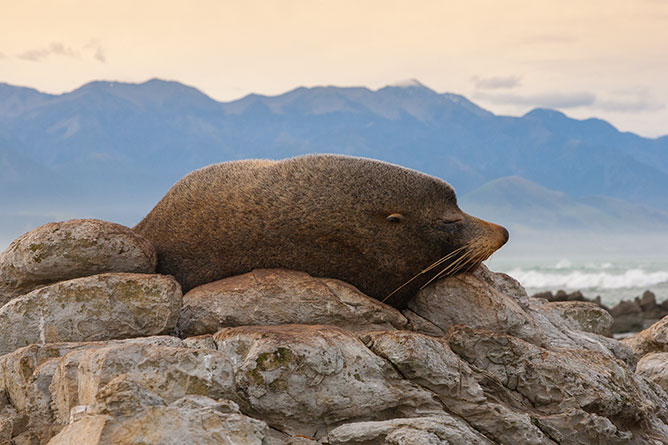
{"x":594,"y":58}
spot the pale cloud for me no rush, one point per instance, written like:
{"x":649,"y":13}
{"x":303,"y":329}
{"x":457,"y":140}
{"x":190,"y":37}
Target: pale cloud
{"x":621,"y":101}
{"x":100,"y":55}
{"x":93,"y":49}
{"x":629,"y":106}
{"x":496,"y":82}
{"x":99,"y":52}
{"x":554,"y":99}
{"x":57,"y":49}
{"x":633,"y":100}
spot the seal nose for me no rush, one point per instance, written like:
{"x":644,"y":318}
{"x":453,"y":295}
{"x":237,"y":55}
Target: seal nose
{"x":505,"y":234}
{"x":501,"y":234}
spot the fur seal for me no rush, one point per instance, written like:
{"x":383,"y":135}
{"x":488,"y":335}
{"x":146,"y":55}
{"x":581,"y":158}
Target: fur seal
{"x":383,"y":228}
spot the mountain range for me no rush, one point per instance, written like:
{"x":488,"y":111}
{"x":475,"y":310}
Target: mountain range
{"x":112,"y":149}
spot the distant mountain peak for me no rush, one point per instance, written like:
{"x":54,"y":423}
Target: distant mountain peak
{"x":409,"y":83}
{"x":545,"y":113}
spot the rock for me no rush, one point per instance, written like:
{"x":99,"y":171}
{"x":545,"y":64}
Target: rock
{"x":628,"y":317}
{"x":647,"y":301}
{"x":556,"y":381}
{"x":422,"y":325}
{"x":652,"y":339}
{"x":580,"y":427}
{"x":190,"y":420}
{"x":71,"y":249}
{"x":469,"y":299}
{"x":497,"y":302}
{"x":277,"y":296}
{"x":654,"y":367}
{"x":305,"y":380}
{"x":431,"y":363}
{"x":443,"y":429}
{"x":584,"y":316}
{"x":26,"y":374}
{"x":175,"y":371}
{"x":100,"y":307}
{"x":651,"y":310}
{"x":561,"y":295}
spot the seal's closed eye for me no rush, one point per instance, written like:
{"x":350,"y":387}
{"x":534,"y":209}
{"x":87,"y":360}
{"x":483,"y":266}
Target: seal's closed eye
{"x":395,"y":218}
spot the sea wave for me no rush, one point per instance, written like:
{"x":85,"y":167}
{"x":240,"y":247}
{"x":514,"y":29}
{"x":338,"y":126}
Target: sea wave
{"x":588,"y":280}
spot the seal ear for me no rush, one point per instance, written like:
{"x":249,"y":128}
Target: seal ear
{"x":395,"y":218}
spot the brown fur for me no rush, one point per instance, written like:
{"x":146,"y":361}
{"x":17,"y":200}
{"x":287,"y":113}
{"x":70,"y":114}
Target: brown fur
{"x":322,"y":214}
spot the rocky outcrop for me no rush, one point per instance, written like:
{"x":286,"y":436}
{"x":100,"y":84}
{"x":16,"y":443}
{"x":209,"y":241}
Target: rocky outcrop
{"x":628,"y":315}
{"x":280,"y":357}
{"x":652,"y":339}
{"x":584,"y":316}
{"x":71,"y":249}
{"x":654,"y":366}
{"x":189,"y":420}
{"x":275,"y":297}
{"x":99,"y":307}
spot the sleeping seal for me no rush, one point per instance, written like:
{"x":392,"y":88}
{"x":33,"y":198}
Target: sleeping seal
{"x":383,"y":228}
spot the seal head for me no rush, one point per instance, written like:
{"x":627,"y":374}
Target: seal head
{"x":383,"y":228}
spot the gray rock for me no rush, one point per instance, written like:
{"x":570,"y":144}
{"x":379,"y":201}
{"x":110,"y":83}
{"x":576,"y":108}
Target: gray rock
{"x":422,"y":325}
{"x":497,"y":302}
{"x":654,"y":366}
{"x":437,"y":430}
{"x":71,"y":249}
{"x":628,"y":317}
{"x":26,"y":375}
{"x":190,"y":420}
{"x":652,"y":339}
{"x":307,"y":379}
{"x":175,"y":371}
{"x":277,"y":296}
{"x":584,"y":316}
{"x":431,"y":363}
{"x":100,"y":307}
{"x":554,"y":382}
{"x":469,"y":299}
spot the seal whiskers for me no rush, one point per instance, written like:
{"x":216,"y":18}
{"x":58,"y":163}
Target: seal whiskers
{"x":432,"y":266}
{"x":453,"y":268}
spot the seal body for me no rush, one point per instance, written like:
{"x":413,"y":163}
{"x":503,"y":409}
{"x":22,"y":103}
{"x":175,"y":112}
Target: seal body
{"x":371,"y":224}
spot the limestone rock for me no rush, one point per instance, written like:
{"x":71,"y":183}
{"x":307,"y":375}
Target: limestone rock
{"x":190,"y":420}
{"x":71,"y":249}
{"x":584,"y":316}
{"x":652,"y":339}
{"x":307,"y":379}
{"x":470,"y":300}
{"x":100,"y":307}
{"x":497,"y":302}
{"x":175,"y":371}
{"x":443,"y":429}
{"x":556,"y":331}
{"x":556,"y":381}
{"x":277,"y":296}
{"x":431,"y":363}
{"x":654,"y":366}
{"x":422,"y":325}
{"x":26,"y":375}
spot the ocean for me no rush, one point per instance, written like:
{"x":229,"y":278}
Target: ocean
{"x":613,"y":278}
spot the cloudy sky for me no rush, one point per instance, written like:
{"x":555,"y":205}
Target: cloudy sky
{"x":603,"y":58}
